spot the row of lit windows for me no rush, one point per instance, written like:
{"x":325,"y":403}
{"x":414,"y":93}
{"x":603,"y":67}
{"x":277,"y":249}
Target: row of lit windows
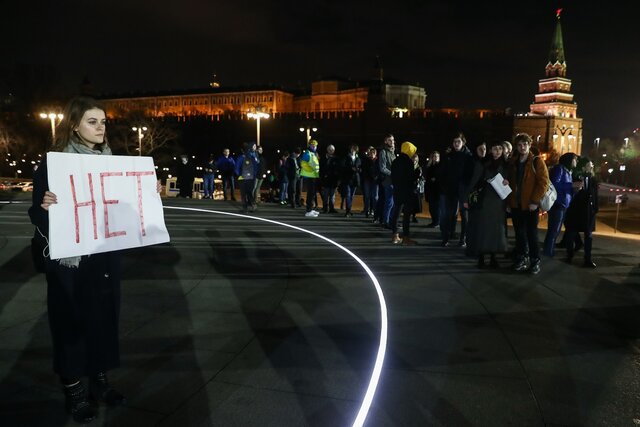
{"x":215,"y":100}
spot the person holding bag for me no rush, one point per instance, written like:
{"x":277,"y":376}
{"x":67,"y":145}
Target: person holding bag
{"x":529,"y":179}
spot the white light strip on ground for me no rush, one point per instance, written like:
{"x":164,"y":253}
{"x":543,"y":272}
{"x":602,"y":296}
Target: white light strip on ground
{"x":382,"y":347}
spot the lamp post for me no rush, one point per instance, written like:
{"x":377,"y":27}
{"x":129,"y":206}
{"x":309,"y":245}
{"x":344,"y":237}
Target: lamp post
{"x":563,"y":130}
{"x":596,"y":142}
{"x":257,"y":115}
{"x":52,"y":117}
{"x":139,"y":129}
{"x":308,"y":131}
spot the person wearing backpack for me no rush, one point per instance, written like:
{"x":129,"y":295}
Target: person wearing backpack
{"x":528,"y":178}
{"x":247,"y":170}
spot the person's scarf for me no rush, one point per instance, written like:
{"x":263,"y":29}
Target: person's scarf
{"x":77,"y":147}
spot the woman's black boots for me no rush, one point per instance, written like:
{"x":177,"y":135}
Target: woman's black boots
{"x":77,"y":404}
{"x":101,"y":391}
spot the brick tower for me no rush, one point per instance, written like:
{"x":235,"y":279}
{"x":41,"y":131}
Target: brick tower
{"x":552,"y":119}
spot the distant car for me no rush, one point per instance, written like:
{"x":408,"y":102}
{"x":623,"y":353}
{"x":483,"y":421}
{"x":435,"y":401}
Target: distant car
{"x":23,"y":186}
{"x":6,"y":185}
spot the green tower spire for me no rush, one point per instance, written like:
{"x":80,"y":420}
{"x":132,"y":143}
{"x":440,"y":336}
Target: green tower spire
{"x":557,"y":65}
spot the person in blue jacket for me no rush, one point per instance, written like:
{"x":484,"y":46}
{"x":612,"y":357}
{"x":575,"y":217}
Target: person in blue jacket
{"x":561,"y":179}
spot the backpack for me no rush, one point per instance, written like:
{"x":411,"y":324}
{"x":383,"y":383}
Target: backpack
{"x":550,"y":195}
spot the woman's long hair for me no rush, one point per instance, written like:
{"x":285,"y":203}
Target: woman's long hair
{"x":580,"y":169}
{"x":430,"y":160}
{"x":566,"y":160}
{"x":73,"y":113}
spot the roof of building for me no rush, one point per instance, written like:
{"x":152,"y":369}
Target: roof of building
{"x":193,"y":91}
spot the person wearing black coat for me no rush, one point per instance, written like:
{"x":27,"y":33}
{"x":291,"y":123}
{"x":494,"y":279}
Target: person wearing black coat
{"x":581,"y":213}
{"x":454,"y":175}
{"x":350,"y":177}
{"x":370,"y":182}
{"x":83,"y":293}
{"x":404,"y":179}
{"x":293,"y":175}
{"x":186,"y":176}
{"x":432,"y":188}
{"x":329,"y":175}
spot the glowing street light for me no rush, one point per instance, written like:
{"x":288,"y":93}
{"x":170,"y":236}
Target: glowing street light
{"x":257,"y":115}
{"x":563,"y":131}
{"x":626,"y":142}
{"x":139,"y":129}
{"x":308,"y":131}
{"x":52,"y":117}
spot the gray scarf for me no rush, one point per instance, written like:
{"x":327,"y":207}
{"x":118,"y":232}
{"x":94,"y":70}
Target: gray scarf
{"x":77,"y":147}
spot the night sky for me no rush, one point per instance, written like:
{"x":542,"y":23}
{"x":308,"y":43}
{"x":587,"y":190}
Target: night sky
{"x":465,"y":54}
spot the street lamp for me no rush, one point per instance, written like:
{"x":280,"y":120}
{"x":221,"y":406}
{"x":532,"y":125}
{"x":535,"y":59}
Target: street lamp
{"x":52,"y":117}
{"x":563,"y":130}
{"x":626,"y":142}
{"x":139,"y":129}
{"x":257,"y":115}
{"x":596,"y":142}
{"x":308,"y":131}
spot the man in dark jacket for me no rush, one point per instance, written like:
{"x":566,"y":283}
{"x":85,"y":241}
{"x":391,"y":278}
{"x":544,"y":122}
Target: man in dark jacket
{"x":385,"y":159}
{"x":186,"y":175}
{"x":350,"y":177}
{"x":329,"y":171}
{"x":247,"y":170}
{"x":293,"y":174}
{"x":370,"y":181}
{"x":454,"y":174}
{"x":226,"y":166}
{"x":262,"y":169}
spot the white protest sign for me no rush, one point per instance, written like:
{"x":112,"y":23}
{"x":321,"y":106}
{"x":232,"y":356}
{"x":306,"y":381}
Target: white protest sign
{"x":105,"y":203}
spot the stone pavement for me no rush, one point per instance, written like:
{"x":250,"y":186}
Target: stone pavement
{"x":239,"y":322}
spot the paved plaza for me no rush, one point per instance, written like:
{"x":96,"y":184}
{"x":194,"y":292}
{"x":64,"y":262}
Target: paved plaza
{"x":242,"y":322}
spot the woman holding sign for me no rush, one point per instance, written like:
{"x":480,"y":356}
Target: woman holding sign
{"x":83,"y":293}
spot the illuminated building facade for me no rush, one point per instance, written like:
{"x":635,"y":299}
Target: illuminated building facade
{"x":328,"y":98}
{"x":552,"y":120}
{"x":208,"y":102}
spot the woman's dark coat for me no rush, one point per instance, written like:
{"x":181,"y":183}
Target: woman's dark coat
{"x":83,"y":303}
{"x":404,"y":178}
{"x":581,"y":213}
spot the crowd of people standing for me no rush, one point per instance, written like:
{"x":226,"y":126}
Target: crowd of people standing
{"x":455,"y":185}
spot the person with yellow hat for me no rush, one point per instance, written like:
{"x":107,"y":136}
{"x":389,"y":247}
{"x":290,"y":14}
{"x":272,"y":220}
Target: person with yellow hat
{"x":405,"y":180}
{"x":310,"y":172}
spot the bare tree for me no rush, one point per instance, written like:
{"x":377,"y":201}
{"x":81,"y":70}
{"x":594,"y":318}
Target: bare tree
{"x":158,"y":134}
{"x":8,"y":138}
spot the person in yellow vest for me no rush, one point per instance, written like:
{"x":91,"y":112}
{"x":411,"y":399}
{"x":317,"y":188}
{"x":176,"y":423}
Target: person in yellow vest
{"x":310,"y":172}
